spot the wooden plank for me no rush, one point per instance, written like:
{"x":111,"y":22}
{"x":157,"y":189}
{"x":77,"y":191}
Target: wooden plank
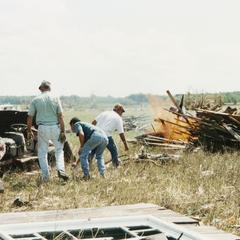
{"x":175,"y":146}
{"x":231,"y":131}
{"x":27,"y":159}
{"x":174,"y":101}
{"x":165,"y":140}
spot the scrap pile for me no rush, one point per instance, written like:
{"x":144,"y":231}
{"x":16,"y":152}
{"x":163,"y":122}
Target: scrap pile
{"x":216,"y":131}
{"x":175,"y":129}
{"x":213,"y":131}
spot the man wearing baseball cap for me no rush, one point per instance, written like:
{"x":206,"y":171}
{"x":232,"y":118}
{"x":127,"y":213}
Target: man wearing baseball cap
{"x":110,"y":121}
{"x":49,"y":118}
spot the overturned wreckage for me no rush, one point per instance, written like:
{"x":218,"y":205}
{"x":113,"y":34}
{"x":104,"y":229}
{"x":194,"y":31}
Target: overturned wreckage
{"x":15,"y":148}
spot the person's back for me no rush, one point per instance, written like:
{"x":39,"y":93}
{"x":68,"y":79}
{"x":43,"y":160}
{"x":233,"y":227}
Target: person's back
{"x":88,"y":129}
{"x":110,"y":121}
{"x":91,"y":138}
{"x":47,"y":108}
{"x":49,"y":118}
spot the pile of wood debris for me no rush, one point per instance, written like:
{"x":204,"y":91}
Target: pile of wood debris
{"x":211,"y":130}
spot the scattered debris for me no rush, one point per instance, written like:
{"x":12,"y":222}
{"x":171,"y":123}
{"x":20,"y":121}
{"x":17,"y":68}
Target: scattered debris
{"x":18,"y":202}
{"x":164,"y":157}
{"x":135,"y":122}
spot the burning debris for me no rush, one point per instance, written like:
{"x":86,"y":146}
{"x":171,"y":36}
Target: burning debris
{"x":174,"y":128}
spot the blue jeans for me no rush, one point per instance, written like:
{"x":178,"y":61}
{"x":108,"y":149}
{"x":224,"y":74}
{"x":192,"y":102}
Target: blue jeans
{"x":46,"y":133}
{"x":112,"y":147}
{"x":114,"y":151}
{"x":97,"y":141}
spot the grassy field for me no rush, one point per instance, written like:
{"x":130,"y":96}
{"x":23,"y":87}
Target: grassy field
{"x":202,"y":185}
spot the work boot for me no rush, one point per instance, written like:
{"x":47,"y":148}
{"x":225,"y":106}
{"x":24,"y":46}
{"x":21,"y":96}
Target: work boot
{"x":63,"y":175}
{"x":117,"y":164}
{"x":85,"y":178}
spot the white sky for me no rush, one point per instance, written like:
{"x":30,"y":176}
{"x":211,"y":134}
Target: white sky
{"x":119,"y":47}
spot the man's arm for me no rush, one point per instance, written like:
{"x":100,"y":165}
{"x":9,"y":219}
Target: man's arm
{"x":122,"y":136}
{"x":81,"y":138}
{"x":61,"y":122}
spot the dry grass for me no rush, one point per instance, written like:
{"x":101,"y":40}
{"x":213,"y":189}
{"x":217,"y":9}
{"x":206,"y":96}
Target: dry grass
{"x":202,"y":185}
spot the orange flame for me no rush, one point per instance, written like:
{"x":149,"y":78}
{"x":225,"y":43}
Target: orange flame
{"x":167,"y":124}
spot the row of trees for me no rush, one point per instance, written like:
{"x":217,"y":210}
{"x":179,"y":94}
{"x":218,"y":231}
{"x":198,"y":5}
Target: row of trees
{"x":94,"y":101}
{"x":74,"y":100}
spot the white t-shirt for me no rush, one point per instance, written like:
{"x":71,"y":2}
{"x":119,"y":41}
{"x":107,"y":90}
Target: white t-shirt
{"x":110,"y":121}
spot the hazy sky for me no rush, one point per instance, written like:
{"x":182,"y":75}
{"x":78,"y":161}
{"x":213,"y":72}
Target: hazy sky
{"x":119,"y":47}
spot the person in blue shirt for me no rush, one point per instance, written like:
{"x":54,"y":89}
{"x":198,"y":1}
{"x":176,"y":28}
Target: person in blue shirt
{"x":90,"y":138}
{"x":48,"y":111}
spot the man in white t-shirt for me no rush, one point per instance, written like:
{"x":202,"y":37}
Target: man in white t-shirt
{"x":111,"y":121}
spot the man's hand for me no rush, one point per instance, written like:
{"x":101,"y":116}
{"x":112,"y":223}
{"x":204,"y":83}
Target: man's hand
{"x":62,"y":137}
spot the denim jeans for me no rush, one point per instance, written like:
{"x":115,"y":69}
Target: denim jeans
{"x":98,"y":141}
{"x":46,"y":133}
{"x":114,"y":151}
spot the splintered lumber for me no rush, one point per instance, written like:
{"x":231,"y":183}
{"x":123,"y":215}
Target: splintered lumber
{"x":182,"y":132}
{"x":152,"y":140}
{"x":167,"y":121}
{"x":175,"y":146}
{"x":161,"y":139}
{"x":231,"y":131}
{"x":174,"y":101}
{"x":183,"y":115}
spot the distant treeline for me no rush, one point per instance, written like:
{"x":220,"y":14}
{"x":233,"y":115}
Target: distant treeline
{"x":224,"y":97}
{"x":74,"y":100}
{"x":133,"y":99}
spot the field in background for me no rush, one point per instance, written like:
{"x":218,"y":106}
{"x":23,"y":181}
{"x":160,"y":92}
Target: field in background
{"x":202,"y":185}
